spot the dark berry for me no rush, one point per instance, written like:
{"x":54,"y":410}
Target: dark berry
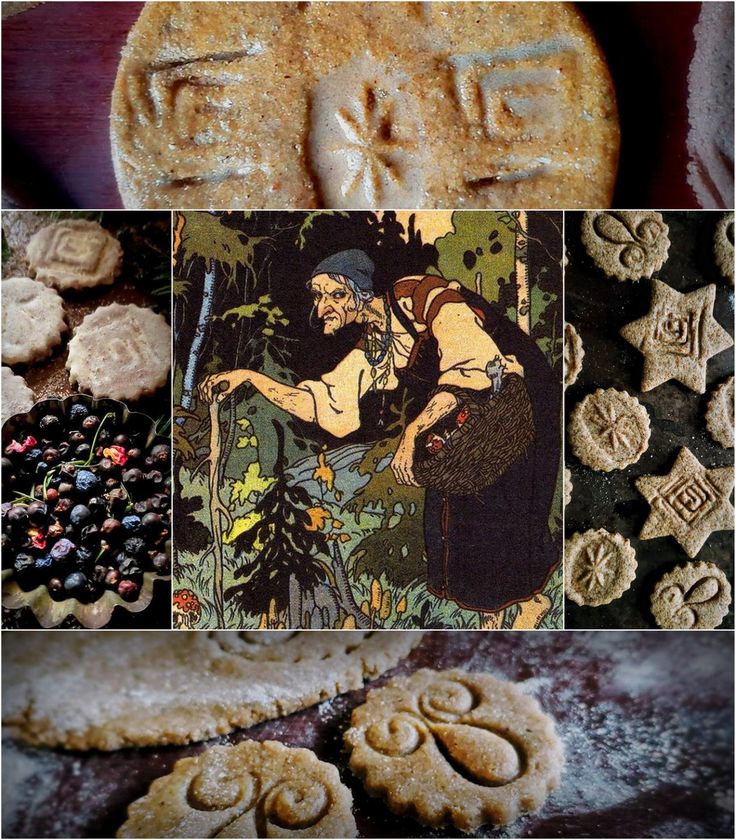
{"x":75,"y":438}
{"x":161,"y":453}
{"x":7,"y":467}
{"x":111,"y":527}
{"x":103,"y":436}
{"x":129,"y":566}
{"x":63,"y":506}
{"x":154,"y":477}
{"x":23,"y":564}
{"x":78,"y":412}
{"x":32,"y":457}
{"x":91,"y":422}
{"x":117,"y":498}
{"x":160,"y":502}
{"x":17,"y":517}
{"x":79,"y":514}
{"x":128,"y":589}
{"x":41,"y":469}
{"x":67,"y":471}
{"x":51,"y":455}
{"x":50,"y":425}
{"x":134,"y":454}
{"x":55,"y":585}
{"x":55,"y":531}
{"x":63,"y":549}
{"x":52,"y":494}
{"x":132,"y":476}
{"x":121,"y":440}
{"x":75,"y":583}
{"x":87,"y":482}
{"x":99,"y":573}
{"x":142,"y":507}
{"x":161,"y":563}
{"x":63,"y":448}
{"x":96,"y":504}
{"x":82,"y":451}
{"x":36,"y":512}
{"x":112,"y":578}
{"x":44,"y":562}
{"x":152,"y":521}
{"x":106,"y":465}
{"x":132,"y":524}
{"x":84,"y":555}
{"x":66,"y":489}
{"x":90,"y":534}
{"x":134,"y":546}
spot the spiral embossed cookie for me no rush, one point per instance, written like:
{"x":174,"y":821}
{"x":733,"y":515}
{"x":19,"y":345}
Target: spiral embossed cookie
{"x":626,"y":244}
{"x":254,"y":789}
{"x":33,"y":320}
{"x":609,"y":430}
{"x":454,"y":746}
{"x":74,"y":254}
{"x":599,"y":567}
{"x":695,"y":596}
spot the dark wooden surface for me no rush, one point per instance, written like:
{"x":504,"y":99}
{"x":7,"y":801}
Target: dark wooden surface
{"x":647,"y":721}
{"x":598,"y":307}
{"x":60,"y":59}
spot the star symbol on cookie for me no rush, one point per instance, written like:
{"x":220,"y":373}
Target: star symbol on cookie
{"x":609,"y":426}
{"x":595,"y":566}
{"x":689,"y":503}
{"x":677,"y":336}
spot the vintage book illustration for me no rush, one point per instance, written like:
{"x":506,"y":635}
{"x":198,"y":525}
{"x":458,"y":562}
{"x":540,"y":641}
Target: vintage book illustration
{"x":367,"y":419}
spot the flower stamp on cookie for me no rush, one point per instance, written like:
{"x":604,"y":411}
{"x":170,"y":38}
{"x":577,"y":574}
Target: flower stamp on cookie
{"x":626,"y":245}
{"x":677,"y":336}
{"x":453,"y":746}
{"x":695,"y":596}
{"x":599,"y":567}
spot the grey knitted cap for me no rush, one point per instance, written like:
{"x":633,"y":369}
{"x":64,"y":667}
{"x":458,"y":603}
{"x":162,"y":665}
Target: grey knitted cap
{"x":353,"y":263}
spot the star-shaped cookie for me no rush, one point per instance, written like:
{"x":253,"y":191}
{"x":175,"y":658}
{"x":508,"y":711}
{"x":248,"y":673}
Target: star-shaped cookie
{"x":689,"y":503}
{"x":677,"y":336}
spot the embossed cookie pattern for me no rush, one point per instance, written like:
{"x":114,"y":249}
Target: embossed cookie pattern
{"x":599,"y":567}
{"x":626,"y":245}
{"x":455,"y":746}
{"x":573,"y":355}
{"x":609,"y":430}
{"x":32,"y":320}
{"x":677,"y":336}
{"x":689,"y":503}
{"x":695,"y":596}
{"x":253,"y":789}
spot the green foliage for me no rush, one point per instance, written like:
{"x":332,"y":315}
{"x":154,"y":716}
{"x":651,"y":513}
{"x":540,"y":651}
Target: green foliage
{"x":309,"y":219}
{"x":397,"y":549}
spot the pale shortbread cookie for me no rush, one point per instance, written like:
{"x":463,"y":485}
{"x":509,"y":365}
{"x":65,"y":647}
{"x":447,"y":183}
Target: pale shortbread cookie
{"x":352,"y":105}
{"x":74,"y":254}
{"x":17,"y":397}
{"x":252,"y":789}
{"x":677,"y":336}
{"x":122,"y":352}
{"x":626,"y":244}
{"x":573,"y":354}
{"x":689,"y":503}
{"x":719,"y":414}
{"x":455,"y":747}
{"x":695,"y":596}
{"x":566,"y":487}
{"x":33,"y":320}
{"x":609,"y":430}
{"x":723,"y":246}
{"x":119,"y":689}
{"x":599,"y":567}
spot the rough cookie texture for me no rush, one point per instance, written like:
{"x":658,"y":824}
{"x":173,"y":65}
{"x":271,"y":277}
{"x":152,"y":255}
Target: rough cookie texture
{"x":609,"y":430}
{"x":599,"y":567}
{"x":719,"y":415}
{"x":137,"y":355}
{"x":566,"y":487}
{"x":74,"y":254}
{"x":254,"y":789}
{"x":33,"y":320}
{"x":17,"y":397}
{"x":677,"y":336}
{"x":573,"y":354}
{"x":723,"y":246}
{"x":454,"y":746}
{"x":688,"y":503}
{"x":119,"y":689}
{"x":626,"y":244}
{"x":354,"y":105}
{"x":695,"y":596}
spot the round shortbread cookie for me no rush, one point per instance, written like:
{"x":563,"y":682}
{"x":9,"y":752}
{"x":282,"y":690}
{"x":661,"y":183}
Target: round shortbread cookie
{"x":252,"y":789}
{"x":626,"y":244}
{"x":455,"y":746}
{"x":695,"y":596}
{"x":719,"y":414}
{"x":352,"y":105}
{"x":573,"y":354}
{"x":17,"y":397}
{"x":74,"y":254}
{"x":723,"y":246}
{"x":33,"y":320}
{"x":122,"y":352}
{"x":609,"y":430}
{"x":599,"y":567}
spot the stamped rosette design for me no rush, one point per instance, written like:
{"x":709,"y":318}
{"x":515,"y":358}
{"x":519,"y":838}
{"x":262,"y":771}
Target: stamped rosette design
{"x":250,"y":790}
{"x":457,"y":746}
{"x":599,"y":567}
{"x":691,"y":597}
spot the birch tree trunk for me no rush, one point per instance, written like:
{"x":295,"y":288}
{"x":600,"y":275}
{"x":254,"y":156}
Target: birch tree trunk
{"x":524,"y":305}
{"x":199,"y":334}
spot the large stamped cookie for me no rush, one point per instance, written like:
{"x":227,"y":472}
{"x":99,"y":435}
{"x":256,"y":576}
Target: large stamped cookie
{"x":609,"y":430}
{"x":137,"y":352}
{"x":150,"y":688}
{"x":677,"y":336}
{"x":626,"y":244}
{"x":33,"y":320}
{"x":573,"y":355}
{"x":689,"y":503}
{"x":74,"y":254}
{"x":352,"y":105}
{"x":719,"y":414}
{"x":695,"y":596}
{"x":17,"y":397}
{"x":599,"y":567}
{"x":253,"y":789}
{"x":453,"y":746}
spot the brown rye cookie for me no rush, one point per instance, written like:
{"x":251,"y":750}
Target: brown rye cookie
{"x":689,"y":503}
{"x":573,"y":354}
{"x":454,"y":746}
{"x":253,"y":789}
{"x":152,"y":688}
{"x":626,"y":244}
{"x":599,"y":567}
{"x":32,"y":320}
{"x":609,"y":430}
{"x":17,"y":397}
{"x":74,"y":254}
{"x":723,"y":246}
{"x":120,"y":351}
{"x":566,"y":487}
{"x":695,"y":596}
{"x":677,"y":336}
{"x":361,"y":105}
{"x":719,"y":414}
